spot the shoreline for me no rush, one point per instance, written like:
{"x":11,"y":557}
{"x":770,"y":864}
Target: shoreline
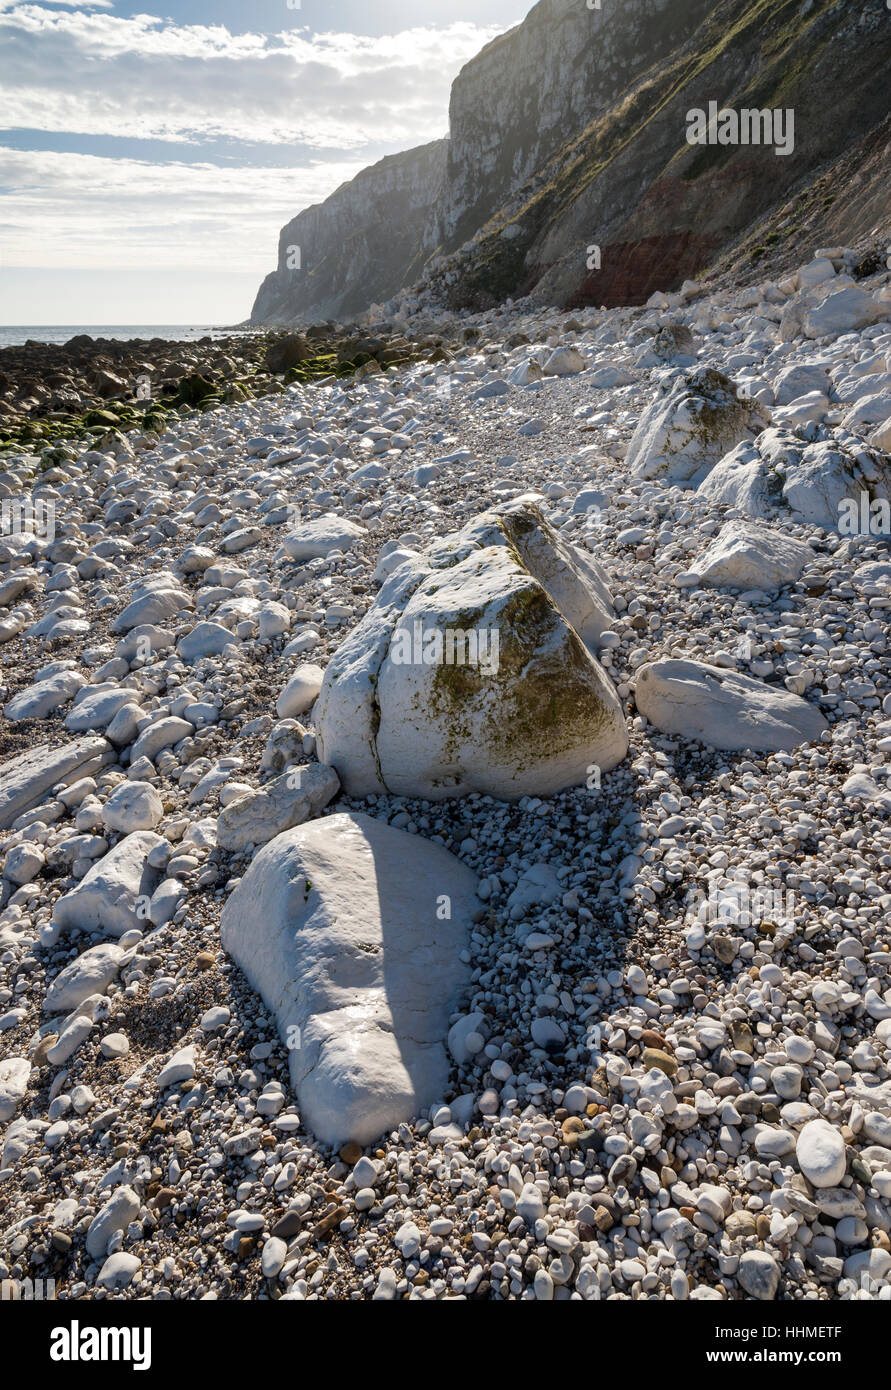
{"x":57,"y":393}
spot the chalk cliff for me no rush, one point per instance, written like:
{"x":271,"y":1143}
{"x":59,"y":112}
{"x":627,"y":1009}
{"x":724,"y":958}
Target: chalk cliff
{"x":569,"y":133}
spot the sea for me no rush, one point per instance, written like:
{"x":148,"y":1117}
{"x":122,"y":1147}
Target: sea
{"x":13,"y":335}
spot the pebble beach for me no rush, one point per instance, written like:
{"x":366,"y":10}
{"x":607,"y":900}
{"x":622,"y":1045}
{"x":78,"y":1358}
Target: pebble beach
{"x":291,"y":1010}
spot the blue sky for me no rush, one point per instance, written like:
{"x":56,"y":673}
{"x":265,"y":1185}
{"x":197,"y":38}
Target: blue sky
{"x":150,"y":154}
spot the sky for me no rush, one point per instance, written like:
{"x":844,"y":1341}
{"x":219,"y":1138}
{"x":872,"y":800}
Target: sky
{"x":149,"y":157}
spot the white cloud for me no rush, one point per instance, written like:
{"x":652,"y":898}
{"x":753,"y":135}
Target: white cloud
{"x":77,"y":69}
{"x":73,"y":210}
{"x":71,"y":4}
{"x":144,"y":77}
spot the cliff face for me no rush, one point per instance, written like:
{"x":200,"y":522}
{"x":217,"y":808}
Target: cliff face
{"x":515,"y":104}
{"x":365,"y":242}
{"x":570,"y":132}
{"x":660,"y":210}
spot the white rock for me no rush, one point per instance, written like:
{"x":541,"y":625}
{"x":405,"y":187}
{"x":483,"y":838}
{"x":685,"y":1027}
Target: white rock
{"x":118,"y":1271}
{"x":407,"y":1239}
{"x":25,"y":780}
{"x":39,"y":700}
{"x":132,"y":806}
{"x":722,"y":708}
{"x":815,"y":272}
{"x":317,"y":538}
{"x":273,"y":1257}
{"x":75,"y":1031}
{"x":96,"y":708}
{"x":759,"y":1274}
{"x":565,"y":361}
{"x":215,"y":1018}
{"x":845,"y":310}
{"x":461,"y":1033}
{"x":359,"y":966}
{"x":15,"y":1073}
{"x":869,"y":410}
{"x":91,"y":973}
{"x":530,"y":1204}
{"x":120,"y":1209}
{"x":23,"y":863}
{"x":820,"y":1150}
{"x":691,"y":424}
{"x":152,"y":605}
{"x":114,"y":894}
{"x":205,"y":639}
{"x":161,"y":733}
{"x":530,"y":714}
{"x":300,"y":692}
{"x":746,"y":556}
{"x":180,"y":1067}
{"x":815,"y":481}
{"x":272,"y":620}
{"x":804,"y":410}
{"x":800,"y":379}
{"x":280,"y":805}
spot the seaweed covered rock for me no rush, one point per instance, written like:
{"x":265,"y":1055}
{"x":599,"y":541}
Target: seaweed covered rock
{"x":473,"y":670}
{"x":288,"y":352}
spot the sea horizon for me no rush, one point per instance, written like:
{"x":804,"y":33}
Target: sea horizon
{"x":16,"y":335}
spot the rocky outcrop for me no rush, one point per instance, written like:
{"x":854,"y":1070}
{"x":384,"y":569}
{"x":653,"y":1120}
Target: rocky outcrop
{"x":365,"y":242}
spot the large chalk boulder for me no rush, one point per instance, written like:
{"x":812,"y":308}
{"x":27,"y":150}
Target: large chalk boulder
{"x":694,"y":420}
{"x":472,"y":671}
{"x":746,"y":556}
{"x":724,"y":709}
{"x":818,"y":483}
{"x":352,"y":931}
